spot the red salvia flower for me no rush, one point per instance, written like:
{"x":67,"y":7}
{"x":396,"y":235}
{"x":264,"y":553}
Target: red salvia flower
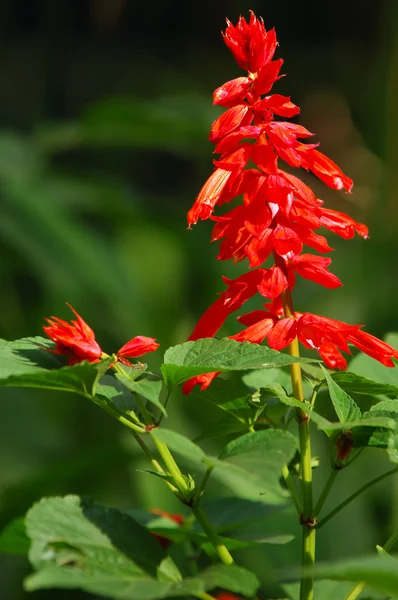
{"x":76,"y":340}
{"x":278,"y":215}
{"x":226,"y":596}
{"x":136,"y":347}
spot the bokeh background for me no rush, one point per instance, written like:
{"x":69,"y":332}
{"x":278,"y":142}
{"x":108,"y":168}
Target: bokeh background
{"x":105,"y":108}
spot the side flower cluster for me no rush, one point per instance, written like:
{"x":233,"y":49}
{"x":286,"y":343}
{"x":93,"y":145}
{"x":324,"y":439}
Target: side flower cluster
{"x":76,"y":340}
{"x":279,"y":214}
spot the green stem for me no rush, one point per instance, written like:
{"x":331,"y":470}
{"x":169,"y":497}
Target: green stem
{"x":307,"y":517}
{"x":204,"y":596}
{"x":292,"y":488}
{"x":356,"y":590}
{"x":213,"y":536}
{"x":146,"y":415}
{"x":353,"y":497}
{"x":172,"y":467}
{"x":186,"y":494}
{"x":121,"y":419}
{"x":390,"y":543}
{"x":314,"y":395}
{"x":202,"y":485}
{"x":160,"y":419}
{"x":325,"y":492}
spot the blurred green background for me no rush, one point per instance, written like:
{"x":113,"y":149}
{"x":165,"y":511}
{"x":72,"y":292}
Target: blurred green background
{"x":105,"y":109}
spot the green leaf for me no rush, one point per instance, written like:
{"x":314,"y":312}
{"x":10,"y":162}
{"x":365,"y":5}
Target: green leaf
{"x":324,"y":590}
{"x":224,"y":426}
{"x":345,"y":407}
{"x":180,"y":444}
{"x":224,"y":393}
{"x":381,"y":575}
{"x":116,"y":395}
{"x":232,"y":513}
{"x":231,"y":578}
{"x":147,"y":388}
{"x":109,"y":580}
{"x":209,"y":355}
{"x":94,"y":532}
{"x":13,"y":538}
{"x":251,"y":465}
{"x":353,"y":383}
{"x":106,"y":552}
{"x":27,"y":363}
{"x":264,"y":377}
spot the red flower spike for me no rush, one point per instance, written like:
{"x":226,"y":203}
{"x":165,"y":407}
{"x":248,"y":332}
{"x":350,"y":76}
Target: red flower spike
{"x":278,"y":213}
{"x":136,"y":347}
{"x":75,"y":340}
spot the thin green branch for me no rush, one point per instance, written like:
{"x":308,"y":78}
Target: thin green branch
{"x":160,"y":419}
{"x":292,"y":488}
{"x":201,"y":487}
{"x":353,"y":497}
{"x":213,"y":536}
{"x":325,"y":491}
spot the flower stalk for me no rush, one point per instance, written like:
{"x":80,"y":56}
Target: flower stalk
{"x":307,"y":517}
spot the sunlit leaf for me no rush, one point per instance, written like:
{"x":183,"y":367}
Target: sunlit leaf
{"x":207,"y":355}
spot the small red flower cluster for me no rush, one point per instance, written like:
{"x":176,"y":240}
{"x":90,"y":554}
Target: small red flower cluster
{"x":76,"y":340}
{"x":279,"y":213}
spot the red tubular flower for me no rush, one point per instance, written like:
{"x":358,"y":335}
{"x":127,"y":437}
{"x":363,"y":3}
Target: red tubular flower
{"x":75,"y":340}
{"x":278,"y":214}
{"x":226,"y":596}
{"x":136,"y":347}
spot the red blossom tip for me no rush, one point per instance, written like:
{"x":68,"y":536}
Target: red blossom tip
{"x":76,"y":339}
{"x":137,"y":347}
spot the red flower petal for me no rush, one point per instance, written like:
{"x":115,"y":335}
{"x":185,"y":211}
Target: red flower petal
{"x":374,"y":347}
{"x":282,"y":334}
{"x":213,"y":192}
{"x":231,"y":92}
{"x":255,"y":333}
{"x":273,"y":283}
{"x":327,"y":171}
{"x":230,"y":120}
{"x":332,"y":356}
{"x":137,"y":347}
{"x":314,"y":268}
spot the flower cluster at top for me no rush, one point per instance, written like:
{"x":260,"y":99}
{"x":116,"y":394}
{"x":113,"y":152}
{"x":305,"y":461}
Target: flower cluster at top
{"x":279,"y":213}
{"x":76,"y":340}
